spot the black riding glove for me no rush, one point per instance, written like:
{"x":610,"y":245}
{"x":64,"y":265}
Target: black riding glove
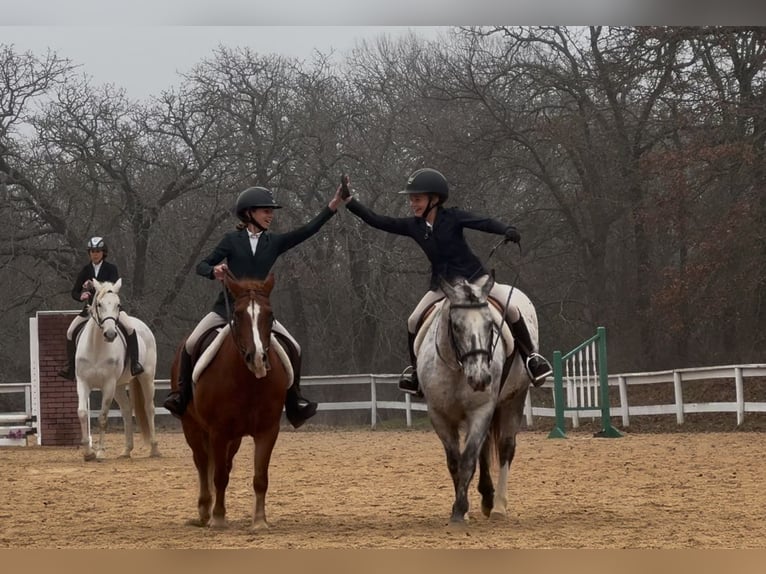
{"x":512,"y":235}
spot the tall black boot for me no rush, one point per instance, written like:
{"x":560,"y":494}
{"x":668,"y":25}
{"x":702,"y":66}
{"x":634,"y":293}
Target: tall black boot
{"x":538,"y":367}
{"x":177,"y":400}
{"x":409,"y":380}
{"x":136,"y":368}
{"x":68,"y":371}
{"x":297,"y":408}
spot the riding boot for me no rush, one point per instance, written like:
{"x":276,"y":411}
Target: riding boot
{"x":136,"y":368}
{"x":177,"y":400}
{"x":538,"y":367}
{"x":297,"y":408}
{"x":409,"y":380}
{"x":68,"y":371}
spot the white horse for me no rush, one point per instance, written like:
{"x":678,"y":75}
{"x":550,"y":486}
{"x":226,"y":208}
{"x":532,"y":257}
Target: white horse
{"x":461,"y":361}
{"x":100,"y":363}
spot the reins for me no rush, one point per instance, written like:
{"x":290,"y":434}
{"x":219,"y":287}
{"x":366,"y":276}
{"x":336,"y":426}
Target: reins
{"x":496,"y":329}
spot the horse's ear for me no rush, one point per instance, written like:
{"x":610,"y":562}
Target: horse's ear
{"x":489,"y":282}
{"x":96,"y":284}
{"x":117,"y":285}
{"x":268,"y":285}
{"x":447,"y":287}
{"x":231,"y":284}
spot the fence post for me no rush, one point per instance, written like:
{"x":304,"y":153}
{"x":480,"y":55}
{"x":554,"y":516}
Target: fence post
{"x":679,"y":396}
{"x":558,"y":397}
{"x":740,"y":395}
{"x":373,"y":403}
{"x":624,"y":401}
{"x":408,"y":409}
{"x":607,"y":430}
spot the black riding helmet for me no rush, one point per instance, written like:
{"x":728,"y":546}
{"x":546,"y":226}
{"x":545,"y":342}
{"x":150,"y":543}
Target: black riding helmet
{"x":254,"y":197}
{"x":427,"y":180}
{"x":97,"y":243}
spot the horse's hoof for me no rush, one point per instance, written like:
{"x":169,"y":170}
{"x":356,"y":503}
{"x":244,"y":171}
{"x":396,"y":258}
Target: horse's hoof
{"x":89,"y":456}
{"x":486,"y":511}
{"x":154,"y":453}
{"x":260,"y":525}
{"x":198,"y":522}
{"x":457,"y":526}
{"x":124,"y":455}
{"x":498,"y":515}
{"x":218,"y":523}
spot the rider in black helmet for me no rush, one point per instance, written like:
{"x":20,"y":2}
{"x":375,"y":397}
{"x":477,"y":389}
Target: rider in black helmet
{"x":439,"y":232}
{"x":102,"y":270}
{"x":249,"y":253}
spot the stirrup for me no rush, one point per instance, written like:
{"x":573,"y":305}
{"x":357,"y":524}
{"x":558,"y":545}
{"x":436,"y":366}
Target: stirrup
{"x":543,"y":367}
{"x":408,"y":382}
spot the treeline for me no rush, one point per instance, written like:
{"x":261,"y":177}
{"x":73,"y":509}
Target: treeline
{"x":631,"y":159}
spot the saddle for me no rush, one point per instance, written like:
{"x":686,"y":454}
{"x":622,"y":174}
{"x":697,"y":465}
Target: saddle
{"x":210,"y":342}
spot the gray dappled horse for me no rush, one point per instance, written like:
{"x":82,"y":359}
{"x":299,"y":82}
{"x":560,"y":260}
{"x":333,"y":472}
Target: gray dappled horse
{"x":460,"y":366}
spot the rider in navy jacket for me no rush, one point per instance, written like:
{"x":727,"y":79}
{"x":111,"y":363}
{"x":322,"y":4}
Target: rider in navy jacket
{"x":249,"y":253}
{"x":439,"y":233}
{"x":83,"y":290}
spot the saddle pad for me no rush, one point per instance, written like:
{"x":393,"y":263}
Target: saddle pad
{"x":497,"y":318}
{"x":207,"y":356}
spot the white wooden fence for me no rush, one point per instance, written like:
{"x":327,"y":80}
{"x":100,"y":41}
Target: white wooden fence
{"x":14,"y":423}
{"x":16,"y":426}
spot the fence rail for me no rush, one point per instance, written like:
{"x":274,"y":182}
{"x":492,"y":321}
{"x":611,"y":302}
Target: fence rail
{"x":12,"y":423}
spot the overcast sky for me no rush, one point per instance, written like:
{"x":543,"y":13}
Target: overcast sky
{"x":141,"y":45}
{"x":146,"y":59}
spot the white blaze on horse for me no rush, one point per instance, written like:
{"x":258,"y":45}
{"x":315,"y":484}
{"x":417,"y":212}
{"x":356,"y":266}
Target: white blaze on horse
{"x":462,"y":351}
{"x":101,"y":363}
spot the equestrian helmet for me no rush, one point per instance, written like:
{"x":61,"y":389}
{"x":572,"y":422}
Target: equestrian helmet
{"x":254,"y":197}
{"x":427,"y":180}
{"x":97,"y":243}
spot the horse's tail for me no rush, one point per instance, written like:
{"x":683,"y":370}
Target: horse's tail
{"x":139,"y":408}
{"x":493,"y":440}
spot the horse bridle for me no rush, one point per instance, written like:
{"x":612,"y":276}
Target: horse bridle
{"x":99,"y":321}
{"x":234,"y":322}
{"x":493,"y":339}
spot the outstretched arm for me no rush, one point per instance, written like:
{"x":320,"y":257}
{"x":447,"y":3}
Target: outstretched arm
{"x":397,"y":225}
{"x":292,"y":238}
{"x":488,"y":225}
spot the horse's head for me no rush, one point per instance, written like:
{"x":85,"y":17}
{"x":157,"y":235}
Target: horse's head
{"x":252,"y":320}
{"x":105,"y":307}
{"x":471,"y":328}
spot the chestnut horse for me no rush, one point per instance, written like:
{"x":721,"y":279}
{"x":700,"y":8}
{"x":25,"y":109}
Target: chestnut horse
{"x":239,"y":393}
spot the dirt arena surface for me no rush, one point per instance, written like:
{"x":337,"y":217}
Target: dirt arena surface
{"x":391,"y":489}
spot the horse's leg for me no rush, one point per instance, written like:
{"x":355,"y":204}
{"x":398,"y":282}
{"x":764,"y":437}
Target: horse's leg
{"x":146,"y":383}
{"x":477,"y":431}
{"x":199,"y":442}
{"x":124,"y":402}
{"x":83,"y":393}
{"x":107,"y":396}
{"x":486,"y":488}
{"x":509,"y":418}
{"x":449,"y":434}
{"x":264,"y":445}
{"x":219,"y":447}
